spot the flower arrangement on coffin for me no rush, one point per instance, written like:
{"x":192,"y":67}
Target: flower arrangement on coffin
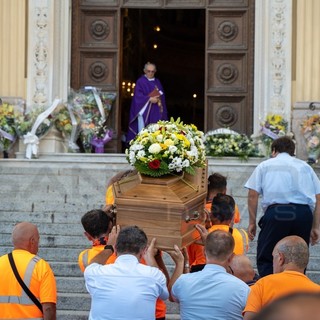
{"x":273,"y":127}
{"x":224,"y":142}
{"x":93,"y":108}
{"x":167,"y":147}
{"x":8,"y":133}
{"x":310,"y":129}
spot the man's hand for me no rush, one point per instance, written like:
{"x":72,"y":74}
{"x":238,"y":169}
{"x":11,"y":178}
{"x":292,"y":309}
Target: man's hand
{"x":252,"y":229}
{"x":154,"y":99}
{"x":113,"y":235}
{"x":149,"y":254}
{"x":177,"y":255}
{"x":314,"y":236}
{"x":202,"y":231}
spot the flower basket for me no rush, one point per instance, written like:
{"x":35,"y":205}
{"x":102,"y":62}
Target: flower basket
{"x":310,"y":129}
{"x":224,"y":142}
{"x":34,"y":125}
{"x":167,"y":147}
{"x":273,"y":127}
{"x":93,"y":107}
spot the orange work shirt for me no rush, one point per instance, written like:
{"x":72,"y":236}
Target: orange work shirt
{"x":196,"y":251}
{"x":276,"y":285}
{"x":161,"y":307}
{"x":42,"y":285}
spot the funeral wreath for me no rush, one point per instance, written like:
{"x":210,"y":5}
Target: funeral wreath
{"x":167,"y":147}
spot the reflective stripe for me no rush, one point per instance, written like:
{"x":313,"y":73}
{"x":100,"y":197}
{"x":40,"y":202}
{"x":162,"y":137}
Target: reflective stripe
{"x":244,"y":236}
{"x":85,"y":258}
{"x":23,"y":299}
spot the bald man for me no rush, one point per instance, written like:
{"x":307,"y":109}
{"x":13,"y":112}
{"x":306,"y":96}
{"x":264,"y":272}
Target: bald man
{"x":290,"y":258}
{"x":296,"y":306}
{"x":241,"y":267}
{"x":35,"y":273}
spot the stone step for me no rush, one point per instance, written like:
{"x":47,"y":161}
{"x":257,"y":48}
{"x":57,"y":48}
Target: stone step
{"x":71,"y":284}
{"x":73,"y":301}
{"x":72,"y":315}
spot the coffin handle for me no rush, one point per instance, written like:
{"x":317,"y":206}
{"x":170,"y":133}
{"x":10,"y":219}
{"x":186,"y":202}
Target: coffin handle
{"x":196,"y":216}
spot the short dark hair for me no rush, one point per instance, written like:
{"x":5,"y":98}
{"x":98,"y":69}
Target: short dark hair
{"x":219,"y":245}
{"x":222,"y":207}
{"x":217,"y":181}
{"x":283,"y":144}
{"x":96,"y":222}
{"x":131,"y":240}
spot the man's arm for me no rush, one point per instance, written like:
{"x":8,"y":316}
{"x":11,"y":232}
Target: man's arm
{"x":178,"y":258}
{"x":104,"y":255}
{"x":253,"y":198}
{"x":49,"y":311}
{"x":315,"y":231}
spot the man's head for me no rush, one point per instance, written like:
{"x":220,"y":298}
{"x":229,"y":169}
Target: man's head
{"x":222,"y":209}
{"x":296,"y":306}
{"x":97,"y":223}
{"x":217,"y":183}
{"x":131,"y":240}
{"x":219,"y":247}
{"x":150,"y":70}
{"x":283,"y":144}
{"x":242,"y":268}
{"x":25,"y":235}
{"x":290,"y":252}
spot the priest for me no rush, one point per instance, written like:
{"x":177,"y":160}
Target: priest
{"x":148,"y":104}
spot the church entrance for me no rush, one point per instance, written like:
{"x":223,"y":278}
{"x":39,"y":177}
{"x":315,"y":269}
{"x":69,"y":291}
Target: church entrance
{"x":175,"y":41}
{"x":203,"y":53}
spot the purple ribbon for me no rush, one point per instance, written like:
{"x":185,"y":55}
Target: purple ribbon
{"x":99,"y":143}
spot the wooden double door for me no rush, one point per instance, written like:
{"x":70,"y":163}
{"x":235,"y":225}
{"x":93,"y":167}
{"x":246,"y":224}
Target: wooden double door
{"x":204,"y":51}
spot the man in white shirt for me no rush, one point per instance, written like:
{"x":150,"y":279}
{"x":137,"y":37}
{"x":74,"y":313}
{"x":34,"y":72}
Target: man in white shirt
{"x":126,"y":289}
{"x":290,"y":192}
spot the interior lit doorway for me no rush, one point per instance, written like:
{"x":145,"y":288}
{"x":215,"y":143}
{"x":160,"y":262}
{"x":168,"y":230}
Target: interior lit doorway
{"x":175,"y":41}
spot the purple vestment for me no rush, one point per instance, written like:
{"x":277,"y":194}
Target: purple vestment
{"x":153,"y":112}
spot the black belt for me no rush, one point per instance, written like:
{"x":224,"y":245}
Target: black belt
{"x":287,"y":204}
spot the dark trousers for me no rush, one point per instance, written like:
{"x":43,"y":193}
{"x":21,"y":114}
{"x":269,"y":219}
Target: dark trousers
{"x":279,"y":221}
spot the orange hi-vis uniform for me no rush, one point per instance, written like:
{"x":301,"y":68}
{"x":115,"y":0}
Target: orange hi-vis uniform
{"x":38,"y":277}
{"x":87,"y":255}
{"x":109,"y":195}
{"x":240,"y":236}
{"x":276,"y":285}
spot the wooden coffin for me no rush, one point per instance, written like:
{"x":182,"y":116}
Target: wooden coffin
{"x":166,"y":208}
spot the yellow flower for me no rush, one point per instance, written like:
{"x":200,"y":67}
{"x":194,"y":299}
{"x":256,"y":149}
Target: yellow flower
{"x":169,"y":142}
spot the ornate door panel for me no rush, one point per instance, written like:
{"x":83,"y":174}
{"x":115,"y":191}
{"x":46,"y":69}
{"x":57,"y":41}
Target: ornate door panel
{"x":95,"y":52}
{"x":229,"y":65}
{"x":228,"y":87}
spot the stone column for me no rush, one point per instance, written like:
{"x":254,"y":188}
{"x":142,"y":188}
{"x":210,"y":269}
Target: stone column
{"x":49,"y":33}
{"x":272,"y":77}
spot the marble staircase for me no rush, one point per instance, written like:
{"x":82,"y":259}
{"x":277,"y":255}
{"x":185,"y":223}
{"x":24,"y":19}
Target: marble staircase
{"x":54,"y":191}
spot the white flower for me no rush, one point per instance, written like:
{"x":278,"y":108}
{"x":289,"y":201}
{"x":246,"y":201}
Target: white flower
{"x":186,"y":163}
{"x":159,"y":137}
{"x":136,"y":147}
{"x":154,"y":148}
{"x":141,"y":154}
{"x":132,"y":157}
{"x":172,"y":149}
